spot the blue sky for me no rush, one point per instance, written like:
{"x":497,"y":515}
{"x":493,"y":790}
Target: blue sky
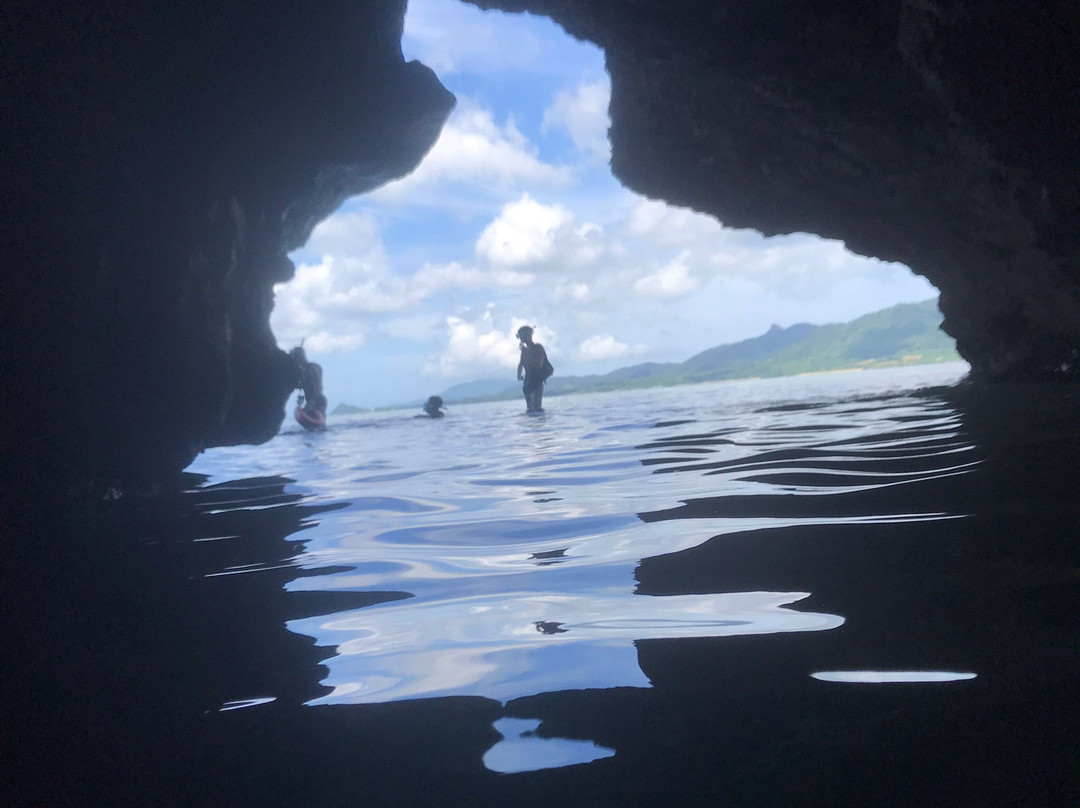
{"x":513,"y":217}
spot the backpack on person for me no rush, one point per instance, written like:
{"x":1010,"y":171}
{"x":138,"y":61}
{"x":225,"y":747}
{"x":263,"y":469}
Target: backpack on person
{"x":547,"y":369}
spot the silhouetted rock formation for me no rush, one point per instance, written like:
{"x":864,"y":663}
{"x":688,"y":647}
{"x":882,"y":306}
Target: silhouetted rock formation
{"x":939,"y":133}
{"x":161,"y":160}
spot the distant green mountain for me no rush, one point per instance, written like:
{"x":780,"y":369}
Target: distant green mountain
{"x":349,"y":409}
{"x":907,"y":334}
{"x":480,"y":389}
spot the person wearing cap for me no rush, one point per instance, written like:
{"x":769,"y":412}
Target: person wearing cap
{"x":534,"y":368}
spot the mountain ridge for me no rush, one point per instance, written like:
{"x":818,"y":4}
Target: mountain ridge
{"x":904,"y":334}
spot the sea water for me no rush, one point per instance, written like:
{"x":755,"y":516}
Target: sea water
{"x":838,"y":589}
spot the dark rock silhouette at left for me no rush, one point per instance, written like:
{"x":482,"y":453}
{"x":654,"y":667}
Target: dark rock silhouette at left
{"x":159,"y":164}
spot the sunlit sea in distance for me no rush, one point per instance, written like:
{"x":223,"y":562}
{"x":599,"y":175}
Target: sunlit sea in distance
{"x":852,"y":588}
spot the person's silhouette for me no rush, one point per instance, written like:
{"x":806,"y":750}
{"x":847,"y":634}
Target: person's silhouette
{"x":433,"y":407}
{"x":534,"y":368}
{"x":310,"y":412}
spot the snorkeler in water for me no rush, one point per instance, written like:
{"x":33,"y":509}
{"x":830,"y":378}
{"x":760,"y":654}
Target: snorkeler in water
{"x":433,"y":407}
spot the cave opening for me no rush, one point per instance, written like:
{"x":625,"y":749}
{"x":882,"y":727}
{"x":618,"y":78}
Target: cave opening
{"x":168,"y":628}
{"x":514,"y":217}
{"x":165,"y":161}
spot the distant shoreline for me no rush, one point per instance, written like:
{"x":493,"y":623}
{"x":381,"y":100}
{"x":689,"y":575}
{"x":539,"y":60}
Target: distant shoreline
{"x":905,"y":335}
{"x":834,"y":371}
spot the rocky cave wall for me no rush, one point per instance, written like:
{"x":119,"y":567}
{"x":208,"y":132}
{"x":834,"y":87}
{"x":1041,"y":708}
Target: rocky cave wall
{"x":939,"y":133}
{"x":161,"y":160}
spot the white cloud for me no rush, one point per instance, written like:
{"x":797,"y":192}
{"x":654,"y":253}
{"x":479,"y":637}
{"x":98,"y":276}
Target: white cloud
{"x":433,"y":277}
{"x":474,"y":150}
{"x":544,"y":238}
{"x":326,"y":301}
{"x":330,"y":296}
{"x":355,"y":234}
{"x":452,"y":37}
{"x":664,"y":224}
{"x":324,"y":342}
{"x":426,"y":327}
{"x":672,"y":280}
{"x":575,"y":291}
{"x":444,"y":35}
{"x":798,"y":266}
{"x":491,"y":215}
{"x":587,"y":247}
{"x":583,"y":114}
{"x":477,"y":348}
{"x":345,"y":285}
{"x":602,"y":346}
{"x":524,"y":233}
{"x":577,"y":274}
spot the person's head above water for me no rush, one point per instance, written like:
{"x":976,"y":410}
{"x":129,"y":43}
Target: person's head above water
{"x":432,"y":405}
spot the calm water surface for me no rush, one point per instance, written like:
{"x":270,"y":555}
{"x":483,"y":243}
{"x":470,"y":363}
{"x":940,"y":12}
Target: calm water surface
{"x":842,"y":589}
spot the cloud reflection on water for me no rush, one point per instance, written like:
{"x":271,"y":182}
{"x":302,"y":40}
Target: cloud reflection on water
{"x":516,"y":550}
{"x":517,"y":644}
{"x":522,"y":750}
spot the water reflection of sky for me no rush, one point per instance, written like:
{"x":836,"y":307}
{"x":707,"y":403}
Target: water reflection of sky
{"x":522,"y":750}
{"x":515,"y":541}
{"x":520,"y":644}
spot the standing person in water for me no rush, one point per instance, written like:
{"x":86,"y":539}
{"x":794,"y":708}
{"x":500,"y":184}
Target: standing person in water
{"x":534,"y":368}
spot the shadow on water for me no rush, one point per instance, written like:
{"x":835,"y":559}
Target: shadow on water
{"x":994,"y":593}
{"x":163,"y":651}
{"x":148,"y":661}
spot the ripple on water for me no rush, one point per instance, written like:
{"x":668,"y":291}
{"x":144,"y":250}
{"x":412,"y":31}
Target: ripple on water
{"x":512,"y":547}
